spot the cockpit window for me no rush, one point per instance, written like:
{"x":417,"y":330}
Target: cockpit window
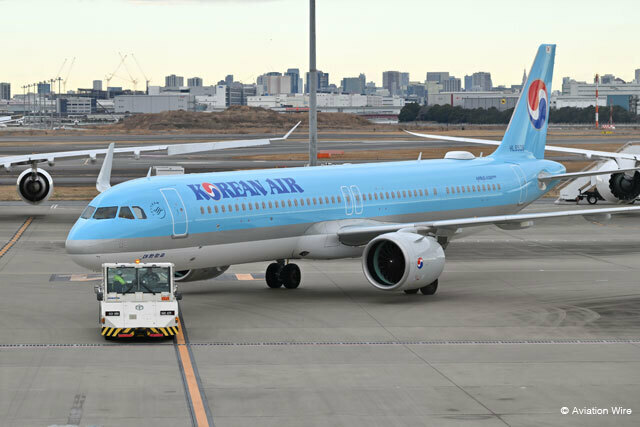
{"x":88,"y":211}
{"x":126,"y":213}
{"x":106,"y":212}
{"x":139,"y":212}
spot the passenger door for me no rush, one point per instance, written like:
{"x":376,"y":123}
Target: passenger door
{"x":352,"y":200}
{"x":348,"y":200}
{"x":522,"y":179}
{"x":177,"y":210}
{"x":357,"y":199}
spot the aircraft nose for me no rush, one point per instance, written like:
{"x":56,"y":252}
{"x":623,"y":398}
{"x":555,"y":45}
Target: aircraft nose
{"x":74,"y":247}
{"x":81,"y":250}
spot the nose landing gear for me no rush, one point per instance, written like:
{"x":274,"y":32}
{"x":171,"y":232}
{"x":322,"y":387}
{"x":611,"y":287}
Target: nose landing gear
{"x":280,"y":274}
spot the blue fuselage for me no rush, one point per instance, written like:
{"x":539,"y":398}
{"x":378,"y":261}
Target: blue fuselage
{"x":215,"y":219}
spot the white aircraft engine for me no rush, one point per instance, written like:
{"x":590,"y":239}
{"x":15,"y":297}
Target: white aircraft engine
{"x":35,"y":187}
{"x":402,"y":261}
{"x":618,"y":187}
{"x":199,"y":274}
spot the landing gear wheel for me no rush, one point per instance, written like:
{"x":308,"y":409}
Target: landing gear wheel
{"x":430,"y":289}
{"x":411,"y":291}
{"x":290,"y":276}
{"x":272,"y":276}
{"x":592,"y":200}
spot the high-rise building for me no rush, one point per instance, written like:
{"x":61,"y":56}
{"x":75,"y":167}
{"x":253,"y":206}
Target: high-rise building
{"x":468,"y":83}
{"x":194,"y":82}
{"x":229,"y":79}
{"x":481,"y":82}
{"x":323,"y":82}
{"x":607,"y":79}
{"x":97,"y":85}
{"x":638,"y":75}
{"x":275,"y":83}
{"x":294,"y":73}
{"x":437,"y":76}
{"x":391,"y":80}
{"x":451,"y":84}
{"x":404,"y":81}
{"x":353,"y":84}
{"x":417,"y":91}
{"x":44,"y":88}
{"x":5,"y":91}
{"x":174,"y":81}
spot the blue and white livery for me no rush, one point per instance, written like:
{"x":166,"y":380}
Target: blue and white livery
{"x":399,"y":216}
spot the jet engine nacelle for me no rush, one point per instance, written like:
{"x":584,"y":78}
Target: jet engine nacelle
{"x":402,"y":261}
{"x":35,"y":187}
{"x":618,"y":187}
{"x":199,"y":274}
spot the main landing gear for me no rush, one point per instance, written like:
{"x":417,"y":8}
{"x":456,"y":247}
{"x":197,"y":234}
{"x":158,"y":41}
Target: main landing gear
{"x":430,"y":289}
{"x":280,"y":274}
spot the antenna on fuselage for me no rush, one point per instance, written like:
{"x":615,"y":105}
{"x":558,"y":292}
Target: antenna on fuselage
{"x":420,"y":156}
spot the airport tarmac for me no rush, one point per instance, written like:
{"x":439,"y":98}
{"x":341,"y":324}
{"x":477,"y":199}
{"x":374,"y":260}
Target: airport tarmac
{"x":523,"y":324}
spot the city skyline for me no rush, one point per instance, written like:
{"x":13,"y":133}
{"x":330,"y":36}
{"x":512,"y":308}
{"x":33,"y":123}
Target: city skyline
{"x":274,"y":37}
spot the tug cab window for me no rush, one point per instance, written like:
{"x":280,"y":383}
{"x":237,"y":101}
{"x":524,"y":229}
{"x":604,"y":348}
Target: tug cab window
{"x":108,"y":212}
{"x":125,"y":280}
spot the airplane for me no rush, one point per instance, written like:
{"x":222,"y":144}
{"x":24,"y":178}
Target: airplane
{"x":5,"y":120}
{"x":398,"y":216}
{"x":35,"y":185}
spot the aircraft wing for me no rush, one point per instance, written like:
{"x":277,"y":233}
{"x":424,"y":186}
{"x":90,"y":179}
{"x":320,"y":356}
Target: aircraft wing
{"x":8,"y":119}
{"x":587,"y":153}
{"x":171,"y":149}
{"x":356,"y":235}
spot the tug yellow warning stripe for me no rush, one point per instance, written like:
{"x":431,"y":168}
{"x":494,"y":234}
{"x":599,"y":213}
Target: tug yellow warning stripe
{"x":169,"y":331}
{"x":16,"y":236}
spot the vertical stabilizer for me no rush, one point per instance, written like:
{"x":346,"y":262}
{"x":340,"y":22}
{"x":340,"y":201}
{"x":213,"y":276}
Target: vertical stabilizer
{"x":526,"y":134}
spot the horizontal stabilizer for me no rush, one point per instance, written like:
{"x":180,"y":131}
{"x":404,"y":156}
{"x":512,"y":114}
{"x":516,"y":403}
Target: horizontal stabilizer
{"x":572,"y":175}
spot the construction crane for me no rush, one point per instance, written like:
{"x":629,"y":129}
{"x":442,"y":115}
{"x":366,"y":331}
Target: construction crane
{"x":131,"y":79}
{"x":60,"y":70}
{"x":108,"y":77}
{"x":64,"y":82}
{"x":147,"y":80}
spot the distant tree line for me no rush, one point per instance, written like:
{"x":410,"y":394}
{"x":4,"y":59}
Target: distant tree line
{"x":457,"y":115}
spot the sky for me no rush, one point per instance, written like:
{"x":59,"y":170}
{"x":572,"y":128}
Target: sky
{"x":246,"y":38}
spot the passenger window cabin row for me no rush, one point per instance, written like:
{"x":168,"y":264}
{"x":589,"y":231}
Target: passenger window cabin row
{"x":327,"y":201}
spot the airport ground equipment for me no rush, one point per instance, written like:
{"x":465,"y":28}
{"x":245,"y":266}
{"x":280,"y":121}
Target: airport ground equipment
{"x":138,"y":300}
{"x":603,"y":187}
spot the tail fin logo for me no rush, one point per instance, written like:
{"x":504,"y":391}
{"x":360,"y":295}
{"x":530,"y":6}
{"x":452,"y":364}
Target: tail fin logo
{"x":537,"y":103}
